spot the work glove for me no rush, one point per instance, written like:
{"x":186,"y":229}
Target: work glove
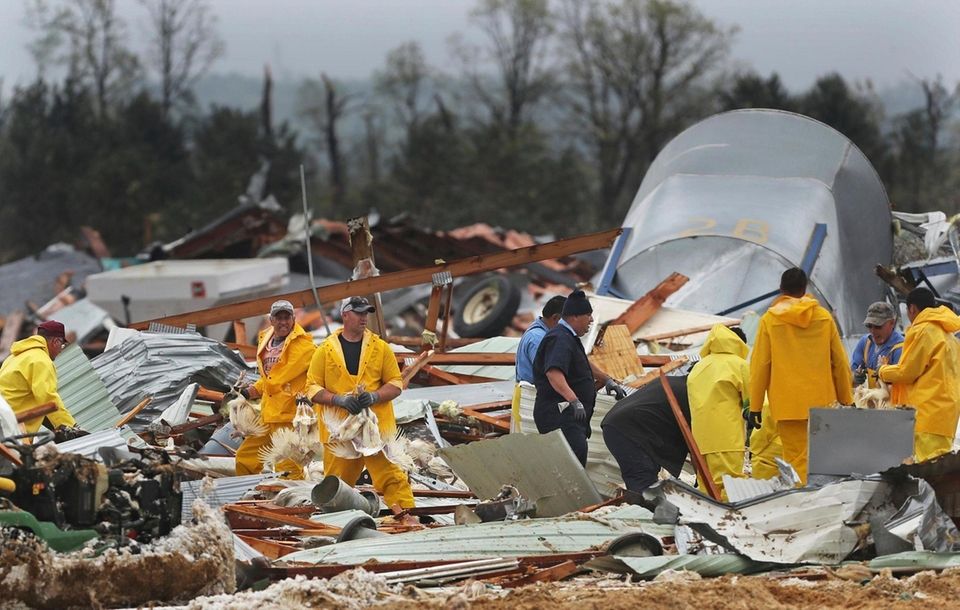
{"x":754,"y":419}
{"x":349,"y":402}
{"x":615,"y":389}
{"x":368,"y":399}
{"x":579,"y":411}
{"x":859,"y":376}
{"x":245,"y":392}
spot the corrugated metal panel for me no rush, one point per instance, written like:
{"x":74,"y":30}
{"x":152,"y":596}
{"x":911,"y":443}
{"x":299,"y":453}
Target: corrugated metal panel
{"x":465,"y":542}
{"x":601,"y":467}
{"x":243,"y":551}
{"x":162,"y":366}
{"x":179,"y":411}
{"x":83,"y":392}
{"x":465,"y":395}
{"x":739,"y":489}
{"x":221,"y":491}
{"x":493,"y":345}
{"x":87,"y":445}
{"x":923,"y":560}
{"x":541,"y":466}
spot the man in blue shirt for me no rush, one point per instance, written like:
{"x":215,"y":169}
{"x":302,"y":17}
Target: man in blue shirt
{"x":883,"y":344}
{"x":530,"y":341}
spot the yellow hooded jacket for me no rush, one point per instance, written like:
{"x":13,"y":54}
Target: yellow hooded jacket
{"x":287,"y":378}
{"x":717,"y":387}
{"x":28,"y":379}
{"x":798,"y":360}
{"x":378,"y":367}
{"x":928,"y":374}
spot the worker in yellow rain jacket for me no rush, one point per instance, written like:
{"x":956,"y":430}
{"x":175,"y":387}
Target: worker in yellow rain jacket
{"x":28,"y":378}
{"x":928,"y":374}
{"x":354,"y":369}
{"x":283,"y":355}
{"x":799,"y":362}
{"x":765,"y":448}
{"x":718,"y":387}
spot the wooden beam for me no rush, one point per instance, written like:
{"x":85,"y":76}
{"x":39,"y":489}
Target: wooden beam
{"x":414,"y":342}
{"x":392,"y":281}
{"x":34,"y":412}
{"x":479,"y":358}
{"x":695,"y":456}
{"x":444,"y":330}
{"x":433,"y":312}
{"x":651,"y":360}
{"x":240,"y":332}
{"x":247,"y":351}
{"x":134,"y":412}
{"x":643,"y":308}
{"x":11,"y":330}
{"x":652,"y":375}
{"x":681,"y":332}
{"x":209,"y":395}
{"x":551,"y":574}
{"x":414,"y":367}
{"x":442,"y":375}
{"x":365,"y":266}
{"x":487,"y":419}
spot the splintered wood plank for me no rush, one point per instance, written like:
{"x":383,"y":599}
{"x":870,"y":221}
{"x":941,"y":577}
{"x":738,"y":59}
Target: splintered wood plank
{"x":643,"y":308}
{"x":617,"y":355}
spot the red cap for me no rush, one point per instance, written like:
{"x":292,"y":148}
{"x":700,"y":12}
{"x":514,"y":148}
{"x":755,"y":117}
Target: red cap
{"x":51,"y":328}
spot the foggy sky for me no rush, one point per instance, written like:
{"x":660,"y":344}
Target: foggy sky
{"x":884,"y":40}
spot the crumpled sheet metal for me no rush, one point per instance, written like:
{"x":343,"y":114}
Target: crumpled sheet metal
{"x":162,"y":366}
{"x":918,"y":523}
{"x":704,"y":565}
{"x":807,"y":525}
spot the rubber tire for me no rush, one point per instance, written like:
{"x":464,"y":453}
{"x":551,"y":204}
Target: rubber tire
{"x":500,"y":313}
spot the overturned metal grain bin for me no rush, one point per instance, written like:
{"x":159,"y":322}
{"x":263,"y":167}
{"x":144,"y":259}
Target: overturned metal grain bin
{"x":738,"y":198}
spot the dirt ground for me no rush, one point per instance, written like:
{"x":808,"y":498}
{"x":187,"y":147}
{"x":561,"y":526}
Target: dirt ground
{"x":854,"y":589}
{"x":926,"y":589}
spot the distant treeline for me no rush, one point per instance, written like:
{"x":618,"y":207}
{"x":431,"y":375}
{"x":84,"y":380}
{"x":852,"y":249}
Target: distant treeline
{"x":547,"y":126}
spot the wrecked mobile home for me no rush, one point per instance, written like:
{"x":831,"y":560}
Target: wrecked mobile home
{"x":502,"y":513}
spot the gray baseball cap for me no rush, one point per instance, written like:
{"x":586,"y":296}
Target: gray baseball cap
{"x":281,"y":305}
{"x":879,"y":313}
{"x":357,"y":304}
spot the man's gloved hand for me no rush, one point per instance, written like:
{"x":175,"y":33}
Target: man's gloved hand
{"x":859,"y":376}
{"x":754,"y":419}
{"x":245,"y":392}
{"x":368,"y":399}
{"x":579,"y":411}
{"x":615,"y":389}
{"x":349,"y":402}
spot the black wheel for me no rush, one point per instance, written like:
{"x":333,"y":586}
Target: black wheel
{"x":487,"y":308}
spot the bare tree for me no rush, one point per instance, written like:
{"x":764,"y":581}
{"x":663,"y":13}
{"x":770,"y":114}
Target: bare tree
{"x":183,"y":45}
{"x":636,"y":74}
{"x":405,"y":82}
{"x":96,"y":46}
{"x":518,"y":33}
{"x":324,"y":105}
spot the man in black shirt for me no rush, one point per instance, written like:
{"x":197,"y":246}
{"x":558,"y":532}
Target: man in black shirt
{"x":565,"y":380}
{"x":641,"y":433}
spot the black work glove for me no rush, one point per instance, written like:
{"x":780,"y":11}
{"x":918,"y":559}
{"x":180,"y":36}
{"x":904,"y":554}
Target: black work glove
{"x":349,"y":402}
{"x":579,"y":411}
{"x":859,"y":376}
{"x":245,"y":392}
{"x":615,"y":389}
{"x":368,"y":399}
{"x":754,"y":419}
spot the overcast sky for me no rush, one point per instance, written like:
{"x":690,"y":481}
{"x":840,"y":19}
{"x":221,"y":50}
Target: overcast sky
{"x":800,"y":39}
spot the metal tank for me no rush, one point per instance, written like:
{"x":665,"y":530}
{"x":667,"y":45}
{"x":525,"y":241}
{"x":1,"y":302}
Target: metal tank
{"x":738,"y":198}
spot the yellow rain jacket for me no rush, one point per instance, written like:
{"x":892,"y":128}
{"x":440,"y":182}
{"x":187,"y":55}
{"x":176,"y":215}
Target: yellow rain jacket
{"x":28,"y":379}
{"x":378,"y":367}
{"x":798,"y":360}
{"x":928,"y":375}
{"x":717,"y":388}
{"x":287,"y":378}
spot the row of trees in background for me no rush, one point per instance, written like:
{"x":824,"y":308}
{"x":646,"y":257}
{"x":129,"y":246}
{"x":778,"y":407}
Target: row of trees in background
{"x":547,"y":125}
